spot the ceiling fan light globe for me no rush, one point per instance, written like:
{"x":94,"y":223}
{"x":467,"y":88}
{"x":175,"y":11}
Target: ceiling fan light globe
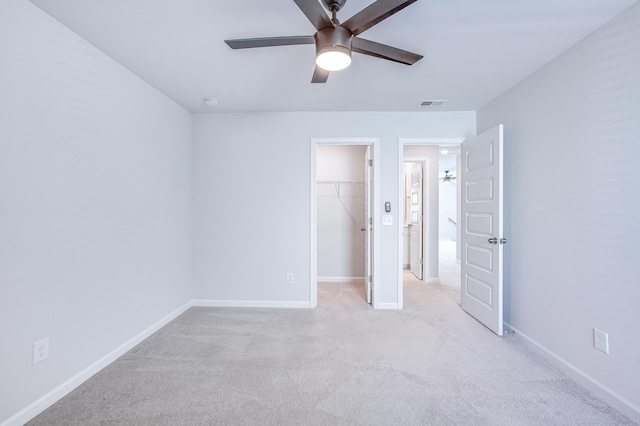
{"x":333,"y":58}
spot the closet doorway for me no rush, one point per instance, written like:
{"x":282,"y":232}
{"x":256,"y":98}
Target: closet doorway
{"x":342,"y":221}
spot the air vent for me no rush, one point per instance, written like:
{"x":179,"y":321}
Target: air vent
{"x":432,"y":104}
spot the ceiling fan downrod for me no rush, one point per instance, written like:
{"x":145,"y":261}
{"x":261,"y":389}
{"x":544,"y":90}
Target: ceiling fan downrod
{"x":334,"y":7}
{"x":337,"y":4}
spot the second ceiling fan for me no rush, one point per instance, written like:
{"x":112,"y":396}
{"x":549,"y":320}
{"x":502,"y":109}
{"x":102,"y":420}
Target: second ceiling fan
{"x":334,"y":40}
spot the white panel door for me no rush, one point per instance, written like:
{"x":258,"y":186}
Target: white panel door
{"x":415,"y":234}
{"x":368,"y":224}
{"x":482,"y":233}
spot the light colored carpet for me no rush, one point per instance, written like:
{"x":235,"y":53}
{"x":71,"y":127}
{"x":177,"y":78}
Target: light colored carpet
{"x":340,"y":364}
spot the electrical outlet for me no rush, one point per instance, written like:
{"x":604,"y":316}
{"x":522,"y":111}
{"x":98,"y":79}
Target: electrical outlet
{"x":290,"y":278}
{"x":601,"y":340}
{"x":40,"y":350}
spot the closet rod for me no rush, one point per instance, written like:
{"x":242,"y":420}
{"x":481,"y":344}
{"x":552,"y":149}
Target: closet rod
{"x":338,"y":181}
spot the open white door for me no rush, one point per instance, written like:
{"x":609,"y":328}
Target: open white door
{"x":481,"y":230}
{"x":368,"y":225}
{"x":417,"y":219}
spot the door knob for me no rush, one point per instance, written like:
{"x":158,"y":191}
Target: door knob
{"x":493,"y":240}
{"x":503,"y":240}
{"x":363,"y":229}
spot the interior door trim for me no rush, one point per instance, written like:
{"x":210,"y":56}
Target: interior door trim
{"x":313,"y":214}
{"x":442,"y":142}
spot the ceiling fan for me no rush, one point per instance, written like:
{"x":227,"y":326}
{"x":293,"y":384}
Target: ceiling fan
{"x":334,"y":40}
{"x":447,"y":177}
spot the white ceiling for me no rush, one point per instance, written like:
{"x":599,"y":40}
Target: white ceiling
{"x":473,"y":50}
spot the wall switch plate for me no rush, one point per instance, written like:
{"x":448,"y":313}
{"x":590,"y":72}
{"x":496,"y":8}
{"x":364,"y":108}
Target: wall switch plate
{"x":290,"y":278}
{"x":601,"y":340}
{"x":387,"y":219}
{"x":40,"y":350}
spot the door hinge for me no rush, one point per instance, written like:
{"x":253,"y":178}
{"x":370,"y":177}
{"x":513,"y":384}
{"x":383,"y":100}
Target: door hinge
{"x":369,"y":279}
{"x":370,"y":221}
{"x":370,"y":162}
{"x":421,"y":261}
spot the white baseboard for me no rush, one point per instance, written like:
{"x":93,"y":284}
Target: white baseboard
{"x":585,"y":380}
{"x":53,"y":396}
{"x":387,"y":306}
{"x":435,"y":280}
{"x":340,"y":279}
{"x":251,"y":304}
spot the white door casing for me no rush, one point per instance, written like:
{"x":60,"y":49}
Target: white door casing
{"x":482,"y":228}
{"x":374,"y":193}
{"x":403,"y":157}
{"x":368,"y":225}
{"x":417,"y":217}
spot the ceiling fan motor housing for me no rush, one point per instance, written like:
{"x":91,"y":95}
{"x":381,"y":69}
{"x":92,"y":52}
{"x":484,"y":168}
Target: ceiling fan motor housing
{"x":333,"y":38}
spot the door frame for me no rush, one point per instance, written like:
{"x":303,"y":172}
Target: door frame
{"x":374,"y":143}
{"x":402,"y":142}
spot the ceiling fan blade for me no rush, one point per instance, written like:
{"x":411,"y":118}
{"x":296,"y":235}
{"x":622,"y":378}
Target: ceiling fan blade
{"x":375,"y":13}
{"x":315,"y":13}
{"x":246,"y":43}
{"x":371,"y":48}
{"x":320,"y":75}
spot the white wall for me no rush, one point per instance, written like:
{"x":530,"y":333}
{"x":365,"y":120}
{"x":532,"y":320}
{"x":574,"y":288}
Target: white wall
{"x":94,"y":204}
{"x":447,"y":198}
{"x":573,"y":188}
{"x":341,"y":211}
{"x":274,"y":150}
